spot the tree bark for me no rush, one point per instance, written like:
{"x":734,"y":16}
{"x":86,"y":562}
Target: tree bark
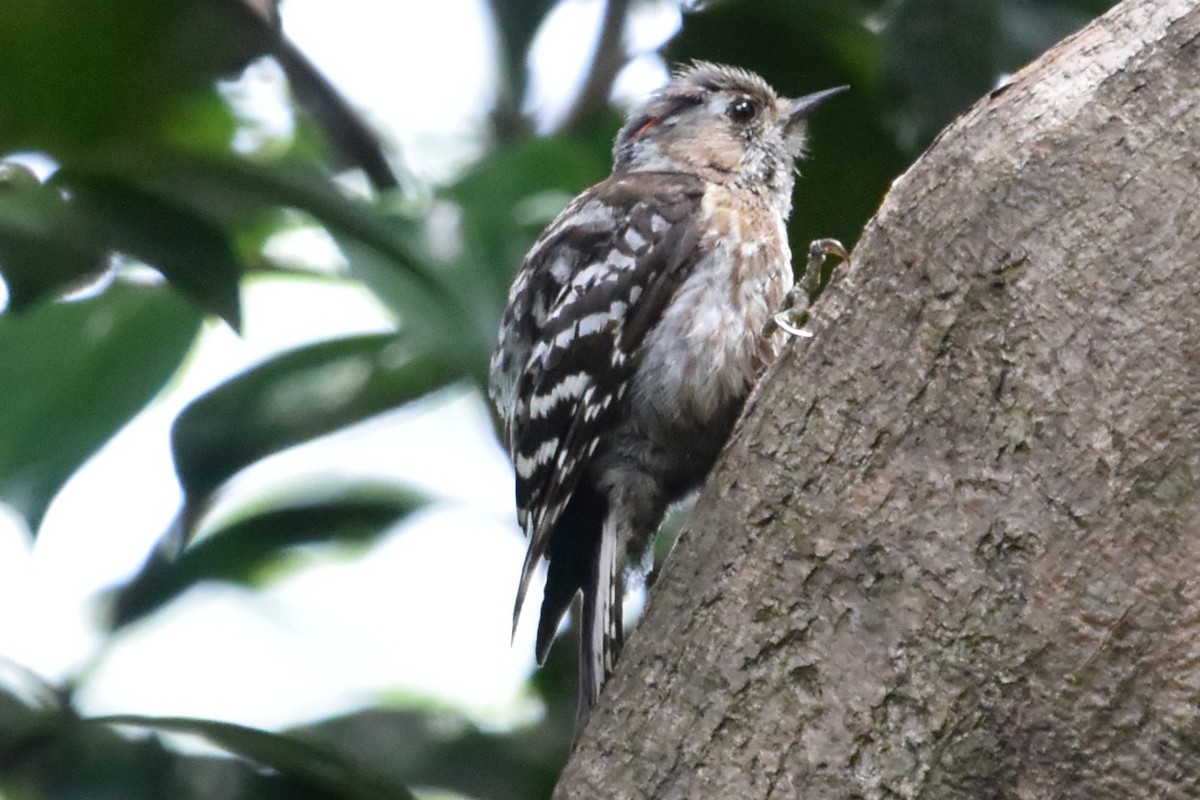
{"x":953,"y":550}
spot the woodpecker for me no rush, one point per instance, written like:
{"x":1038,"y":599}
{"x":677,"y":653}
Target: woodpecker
{"x":636,"y":327}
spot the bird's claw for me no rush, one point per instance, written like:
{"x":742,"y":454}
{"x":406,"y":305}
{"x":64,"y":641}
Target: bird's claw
{"x":794,"y":315}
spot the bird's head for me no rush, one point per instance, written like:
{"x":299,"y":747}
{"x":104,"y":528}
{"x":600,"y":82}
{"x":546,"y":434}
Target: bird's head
{"x":724,"y":123}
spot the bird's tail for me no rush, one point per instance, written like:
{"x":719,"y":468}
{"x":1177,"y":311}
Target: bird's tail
{"x":601,"y":631}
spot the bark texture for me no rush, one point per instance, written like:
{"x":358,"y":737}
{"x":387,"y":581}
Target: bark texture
{"x":953,"y":550}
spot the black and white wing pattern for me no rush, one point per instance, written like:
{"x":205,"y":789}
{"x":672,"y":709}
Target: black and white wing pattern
{"x":591,"y":287}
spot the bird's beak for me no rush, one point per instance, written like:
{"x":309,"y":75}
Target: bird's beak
{"x":800,"y":108}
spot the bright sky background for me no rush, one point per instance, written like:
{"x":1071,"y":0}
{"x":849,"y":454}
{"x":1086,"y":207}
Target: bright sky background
{"x":428,"y":609}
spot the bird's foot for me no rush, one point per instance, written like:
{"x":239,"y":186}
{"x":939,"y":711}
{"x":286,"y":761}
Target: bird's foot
{"x":794,"y":315}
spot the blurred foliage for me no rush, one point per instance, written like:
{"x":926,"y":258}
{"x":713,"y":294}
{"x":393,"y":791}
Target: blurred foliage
{"x":73,"y":374}
{"x":242,"y":550}
{"x":121,"y":101}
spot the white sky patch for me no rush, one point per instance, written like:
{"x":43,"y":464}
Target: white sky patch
{"x":641,"y":76}
{"x":423,"y":74}
{"x":559,"y":58}
{"x":564,"y":47}
{"x":259,"y":98}
{"x":306,"y":247}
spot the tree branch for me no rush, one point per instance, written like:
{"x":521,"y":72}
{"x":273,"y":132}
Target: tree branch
{"x":607,"y":60}
{"x":952,"y":550}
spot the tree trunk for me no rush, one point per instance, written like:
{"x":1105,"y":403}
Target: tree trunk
{"x":953,"y":550}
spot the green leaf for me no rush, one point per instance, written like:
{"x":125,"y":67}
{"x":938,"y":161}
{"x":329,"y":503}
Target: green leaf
{"x":44,"y":244}
{"x":293,"y":398}
{"x":228,"y":188}
{"x":49,"y":752}
{"x":74,"y":373}
{"x":288,"y":755}
{"x":112,"y":71}
{"x":62,"y":758}
{"x":193,"y":253}
{"x":243,"y":549}
{"x":444,"y":749}
{"x":26,"y":708}
{"x":230,"y":191}
{"x":48,"y":242}
{"x":214,"y":198}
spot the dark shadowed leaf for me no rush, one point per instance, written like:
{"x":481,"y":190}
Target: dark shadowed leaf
{"x":44,"y":244}
{"x":442,"y":748}
{"x":297,"y":760}
{"x":293,"y":398}
{"x":243,"y":549}
{"x":48,"y":753}
{"x":26,"y":708}
{"x":193,"y":253}
{"x":227,"y":189}
{"x":112,"y":71}
{"x":74,"y":373}
{"x":232,"y":191}
{"x":61,"y":758}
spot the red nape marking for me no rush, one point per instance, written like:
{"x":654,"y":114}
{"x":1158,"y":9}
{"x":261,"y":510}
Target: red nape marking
{"x":647,"y":125}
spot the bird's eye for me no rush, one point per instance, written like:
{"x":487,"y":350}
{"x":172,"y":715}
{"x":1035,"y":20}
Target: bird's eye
{"x":742,"y":110}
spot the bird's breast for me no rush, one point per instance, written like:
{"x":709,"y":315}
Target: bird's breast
{"x":707,"y":351}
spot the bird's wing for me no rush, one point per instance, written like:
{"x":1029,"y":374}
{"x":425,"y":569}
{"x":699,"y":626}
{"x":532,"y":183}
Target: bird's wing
{"x":589,"y":291}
